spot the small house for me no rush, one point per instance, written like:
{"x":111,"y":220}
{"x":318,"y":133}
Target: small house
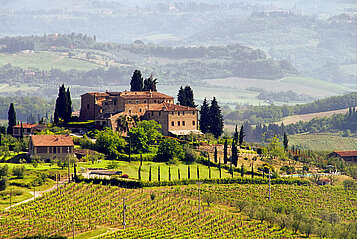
{"x":348,"y":156}
{"x":27,"y":129}
{"x":51,"y":146}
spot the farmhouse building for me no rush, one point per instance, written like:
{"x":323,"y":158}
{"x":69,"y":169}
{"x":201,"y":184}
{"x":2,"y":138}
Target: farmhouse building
{"x":27,"y":129}
{"x":349,"y":156}
{"x":50,"y":146}
{"x":106,"y":108}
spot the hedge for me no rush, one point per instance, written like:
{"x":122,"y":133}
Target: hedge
{"x":238,"y":180}
{"x":136,"y":157}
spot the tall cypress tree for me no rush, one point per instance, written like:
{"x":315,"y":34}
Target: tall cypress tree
{"x":215,"y":155}
{"x":150,"y":174}
{"x":62,"y":102}
{"x":188,"y":92}
{"x":220,"y":169}
{"x":225,"y":152}
{"x":68,"y":115}
{"x":22,"y":131}
{"x":198,"y":172}
{"x":236,"y":135}
{"x":204,"y":117}
{"x":11,"y":118}
{"x":234,"y":153}
{"x":241,"y":135}
{"x":188,"y":172}
{"x":286,"y":142}
{"x":215,"y":119}
{"x":181,"y":96}
{"x":136,"y":81}
{"x":158,"y":174}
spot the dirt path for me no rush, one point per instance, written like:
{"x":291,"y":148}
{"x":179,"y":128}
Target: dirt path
{"x":38,"y":194}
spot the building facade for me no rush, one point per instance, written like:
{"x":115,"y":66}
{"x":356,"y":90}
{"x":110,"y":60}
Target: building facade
{"x":51,"y":146}
{"x":27,"y":129}
{"x":106,"y":108}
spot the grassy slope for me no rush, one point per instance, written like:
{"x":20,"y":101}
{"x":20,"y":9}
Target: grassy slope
{"x":323,"y":142}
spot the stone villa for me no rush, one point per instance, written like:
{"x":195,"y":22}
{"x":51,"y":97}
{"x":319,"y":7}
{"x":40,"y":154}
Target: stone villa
{"x":106,"y":107}
{"x":50,"y":146}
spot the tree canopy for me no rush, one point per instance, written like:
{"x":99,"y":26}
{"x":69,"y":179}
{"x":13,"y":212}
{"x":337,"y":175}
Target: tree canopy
{"x":169,"y":149}
{"x":63,"y":108}
{"x":136,"y":81}
{"x":185,"y":97}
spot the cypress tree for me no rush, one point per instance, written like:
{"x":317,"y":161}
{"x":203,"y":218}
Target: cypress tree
{"x":21,"y":131}
{"x":234,"y":154}
{"x":55,"y":117}
{"x":68,"y":114}
{"x":215,"y":119}
{"x":198,"y":172}
{"x":220,"y":169}
{"x":215,"y":155}
{"x":150,"y":174}
{"x":136,"y":81}
{"x":188,"y":92}
{"x":169,"y":174}
{"x":252,"y":171}
{"x":231,"y":170}
{"x":181,"y":96}
{"x":225,"y":152}
{"x":62,"y":103}
{"x":286,"y":142}
{"x":241,"y":135}
{"x":11,"y":118}
{"x":158,"y":174}
{"x":242,"y":170}
{"x":204,"y":117}
{"x":178,"y":174}
{"x":209,"y":171}
{"x":139,"y":173}
{"x":188,"y":172}
{"x":236,"y":135}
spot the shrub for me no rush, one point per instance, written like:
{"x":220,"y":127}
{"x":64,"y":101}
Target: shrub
{"x":349,"y":184}
{"x":4,"y":182}
{"x":190,"y":155}
{"x":168,"y":149}
{"x":19,"y":171}
{"x":4,"y":170}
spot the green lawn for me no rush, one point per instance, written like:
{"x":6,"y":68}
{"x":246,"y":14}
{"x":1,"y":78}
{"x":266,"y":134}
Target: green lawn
{"x":131,"y":169}
{"x":91,"y":234}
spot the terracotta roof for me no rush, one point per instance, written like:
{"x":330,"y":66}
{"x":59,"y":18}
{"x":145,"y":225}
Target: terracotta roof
{"x":97,"y":93}
{"x":169,"y":107}
{"x":144,"y":95}
{"x":346,"y":153}
{"x":26,"y":126}
{"x":51,"y":140}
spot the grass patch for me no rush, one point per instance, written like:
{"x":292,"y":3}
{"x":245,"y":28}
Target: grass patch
{"x":91,"y":234}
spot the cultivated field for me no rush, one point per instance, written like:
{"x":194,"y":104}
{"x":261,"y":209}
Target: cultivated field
{"x":323,"y":142}
{"x":169,"y":212}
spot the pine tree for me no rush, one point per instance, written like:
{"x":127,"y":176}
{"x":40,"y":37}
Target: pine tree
{"x":215,"y":119}
{"x":11,"y":118}
{"x":136,"y":81}
{"x":225,"y":152}
{"x":215,"y":155}
{"x":150,"y":84}
{"x":234,"y":154}
{"x":204,"y":117}
{"x":241,"y":135}
{"x":286,"y":142}
{"x":236,"y":135}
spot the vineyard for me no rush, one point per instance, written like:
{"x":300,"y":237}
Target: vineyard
{"x":151,"y":213}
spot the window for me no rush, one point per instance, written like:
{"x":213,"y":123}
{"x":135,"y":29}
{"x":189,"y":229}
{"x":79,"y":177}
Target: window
{"x":88,"y":106}
{"x":66,"y":149}
{"x":178,"y":123}
{"x":193,"y":112}
{"x":183,"y":123}
{"x":140,"y":110}
{"x":183,"y":112}
{"x":178,"y":113}
{"x":154,"y":101}
{"x":193,"y":123}
{"x":137,"y":102}
{"x":129,"y":101}
{"x":148,"y":115}
{"x":172,"y":123}
{"x":41,"y":150}
{"x":115,"y":102}
{"x":50,"y":149}
{"x":173,"y":113}
{"x":152,"y":113}
{"x":159,"y":113}
{"x":54,"y":150}
{"x":106,"y":103}
{"x":144,"y":101}
{"x":129,"y":112}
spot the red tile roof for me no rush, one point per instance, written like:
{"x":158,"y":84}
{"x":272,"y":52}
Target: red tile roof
{"x":346,"y":153}
{"x":26,"y":126}
{"x":51,"y":140}
{"x":144,"y":95}
{"x":169,"y":107}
